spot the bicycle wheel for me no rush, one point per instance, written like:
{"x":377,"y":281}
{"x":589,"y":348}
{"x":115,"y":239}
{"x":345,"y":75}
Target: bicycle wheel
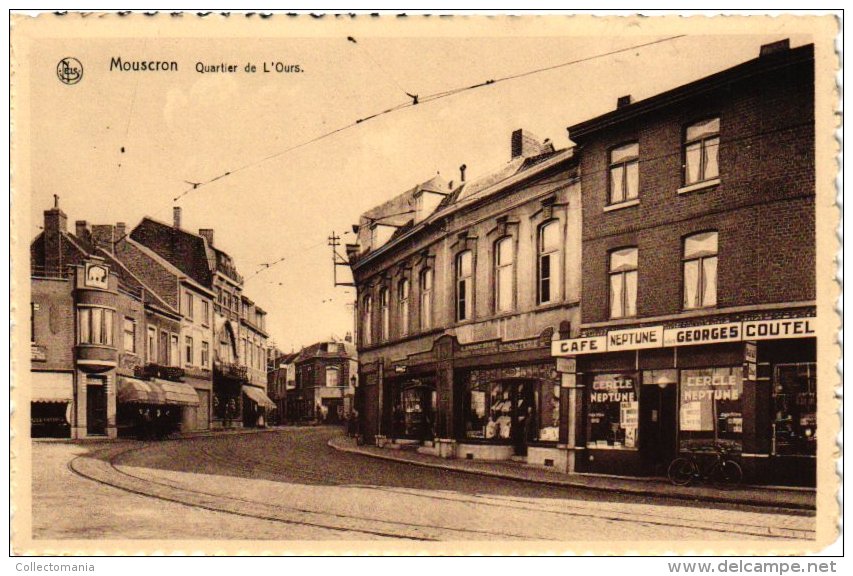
{"x":727,"y":474}
{"x":681,"y":471}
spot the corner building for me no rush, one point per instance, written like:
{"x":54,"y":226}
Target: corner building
{"x":698,"y":316}
{"x":461,"y":290}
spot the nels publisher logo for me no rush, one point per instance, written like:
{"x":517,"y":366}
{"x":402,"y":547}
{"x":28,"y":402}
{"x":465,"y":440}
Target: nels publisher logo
{"x":69,"y":70}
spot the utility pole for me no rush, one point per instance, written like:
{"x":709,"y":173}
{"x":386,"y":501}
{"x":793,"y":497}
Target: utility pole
{"x":337,"y":260}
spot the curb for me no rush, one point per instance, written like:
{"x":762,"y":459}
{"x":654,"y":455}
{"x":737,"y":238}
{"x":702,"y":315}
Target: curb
{"x":639,"y":491}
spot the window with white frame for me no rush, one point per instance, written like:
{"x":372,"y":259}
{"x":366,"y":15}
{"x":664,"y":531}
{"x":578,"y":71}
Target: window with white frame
{"x":96,"y":326}
{"x":548,"y":263}
{"x":426,"y":299}
{"x":174,"y":350}
{"x":464,"y":285}
{"x":701,"y":151}
{"x":205,"y":354}
{"x":623,"y":282}
{"x":700,"y":270}
{"x":188,"y":304}
{"x":333,"y":377}
{"x":190,"y":351}
{"x":129,"y":340}
{"x":624,"y":173}
{"x":367,"y":321}
{"x":403,"y":306}
{"x":151,"y":344}
{"x":504,"y":272}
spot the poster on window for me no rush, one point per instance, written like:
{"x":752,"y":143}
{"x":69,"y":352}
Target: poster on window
{"x":613,"y":411}
{"x":710,"y":407}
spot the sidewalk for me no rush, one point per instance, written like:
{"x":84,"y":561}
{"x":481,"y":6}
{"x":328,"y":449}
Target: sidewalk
{"x":776,"y":497}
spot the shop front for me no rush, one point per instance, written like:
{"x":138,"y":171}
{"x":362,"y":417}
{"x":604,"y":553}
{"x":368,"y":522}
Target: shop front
{"x":257,"y":407}
{"x":152,"y":408}
{"x":50,"y":404}
{"x":747,"y":386}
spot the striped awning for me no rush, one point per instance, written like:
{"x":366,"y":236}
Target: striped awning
{"x":155,"y":391}
{"x":51,"y":387}
{"x":257,"y":396}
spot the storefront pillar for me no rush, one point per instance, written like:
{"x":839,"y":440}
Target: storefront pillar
{"x":445,"y":415}
{"x":571,"y":401}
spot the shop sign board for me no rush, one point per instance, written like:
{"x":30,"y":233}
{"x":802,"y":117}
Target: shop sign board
{"x":573,"y":346}
{"x":635,"y":338}
{"x":750,"y":352}
{"x":567,"y":365}
{"x":710,"y":334}
{"x":784,"y":328}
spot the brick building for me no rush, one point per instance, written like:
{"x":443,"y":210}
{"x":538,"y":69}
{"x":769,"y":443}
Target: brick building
{"x":698,"y":310}
{"x":325,"y":378}
{"x":95,"y":368}
{"x":281,"y":378}
{"x":460,"y":291}
{"x":238,"y":348}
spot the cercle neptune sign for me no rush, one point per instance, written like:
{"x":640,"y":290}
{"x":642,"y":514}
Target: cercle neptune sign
{"x":660,"y":337}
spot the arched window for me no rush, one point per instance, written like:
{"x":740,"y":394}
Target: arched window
{"x":548,"y":271}
{"x":504,"y":272}
{"x":366,"y":321}
{"x":426,"y":299}
{"x":464,"y":285}
{"x":403,"y":301}
{"x":700,"y":270}
{"x":385,"y":313}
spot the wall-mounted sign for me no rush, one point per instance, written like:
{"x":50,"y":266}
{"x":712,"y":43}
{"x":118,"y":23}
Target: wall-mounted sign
{"x":400,"y":369}
{"x":773,"y":329}
{"x":659,"y":337}
{"x":750,"y":352}
{"x":710,"y":334}
{"x":635,"y":338}
{"x":97,"y":276}
{"x":567,"y":365}
{"x":574,"y":346}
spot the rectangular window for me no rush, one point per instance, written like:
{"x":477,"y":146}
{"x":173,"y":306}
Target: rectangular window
{"x":205,"y":354}
{"x":624,"y":173}
{"x":546,"y":402}
{"x":151,"y":344}
{"x":701,"y":149}
{"x":490,"y":409}
{"x":613,"y":411}
{"x":205,"y":312}
{"x":174,"y":350}
{"x":623,"y":283}
{"x":464,"y":288}
{"x":332,"y":378}
{"x":426,"y":299}
{"x":190,"y":353}
{"x":384,"y":309}
{"x":504,"y":272}
{"x":700,"y":270}
{"x":403,"y":300}
{"x":795,"y":409}
{"x":710,"y":407}
{"x":188,"y":303}
{"x":549,"y":262}
{"x":367,"y":321}
{"x":96,"y":326}
{"x":129,"y":338}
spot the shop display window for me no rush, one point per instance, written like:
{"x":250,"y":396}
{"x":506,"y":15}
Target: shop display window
{"x":547,"y":411}
{"x":414,"y":412}
{"x":795,"y":409}
{"x":613,"y":415}
{"x":490,"y":413}
{"x":710,"y":408}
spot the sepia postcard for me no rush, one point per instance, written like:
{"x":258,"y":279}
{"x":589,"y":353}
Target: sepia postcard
{"x":411,"y":284}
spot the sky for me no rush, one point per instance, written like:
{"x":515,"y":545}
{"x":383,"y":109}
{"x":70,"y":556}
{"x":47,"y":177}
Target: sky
{"x":118,"y":146}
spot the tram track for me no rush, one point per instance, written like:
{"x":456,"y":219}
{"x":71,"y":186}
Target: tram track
{"x":279,"y":468}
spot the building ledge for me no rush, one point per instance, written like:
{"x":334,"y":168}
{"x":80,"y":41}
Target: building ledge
{"x":699,"y":186}
{"x":620,"y":205}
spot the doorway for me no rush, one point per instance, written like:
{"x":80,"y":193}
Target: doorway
{"x":96,"y":407}
{"x":523,"y":416}
{"x":658,"y":426}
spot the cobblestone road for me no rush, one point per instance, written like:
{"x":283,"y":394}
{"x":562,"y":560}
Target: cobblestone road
{"x":288,"y":484}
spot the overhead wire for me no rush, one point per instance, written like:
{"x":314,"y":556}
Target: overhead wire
{"x":415,"y":102}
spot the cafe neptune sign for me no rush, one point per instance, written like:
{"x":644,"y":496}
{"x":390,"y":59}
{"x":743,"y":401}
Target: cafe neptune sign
{"x":659,"y":337}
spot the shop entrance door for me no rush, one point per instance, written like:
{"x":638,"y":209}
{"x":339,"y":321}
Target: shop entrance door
{"x":658,"y":405}
{"x":96,"y":409}
{"x":522,"y":417}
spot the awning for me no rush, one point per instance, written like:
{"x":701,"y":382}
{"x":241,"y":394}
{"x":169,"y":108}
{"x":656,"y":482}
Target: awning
{"x":156,"y":391}
{"x":257,"y":396}
{"x":51,"y":387}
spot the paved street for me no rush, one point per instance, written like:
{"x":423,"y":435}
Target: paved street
{"x":288,"y":484}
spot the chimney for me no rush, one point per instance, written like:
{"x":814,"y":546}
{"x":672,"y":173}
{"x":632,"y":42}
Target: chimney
{"x":775,"y":48}
{"x":207,"y":233}
{"x":176,"y":216}
{"x":81,"y":230}
{"x":121,"y":231}
{"x":55,"y":224}
{"x":623,"y":101}
{"x":462,"y":173}
{"x":524,"y":144}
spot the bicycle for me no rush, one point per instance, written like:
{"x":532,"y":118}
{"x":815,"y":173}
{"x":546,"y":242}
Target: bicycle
{"x":722,"y":471}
